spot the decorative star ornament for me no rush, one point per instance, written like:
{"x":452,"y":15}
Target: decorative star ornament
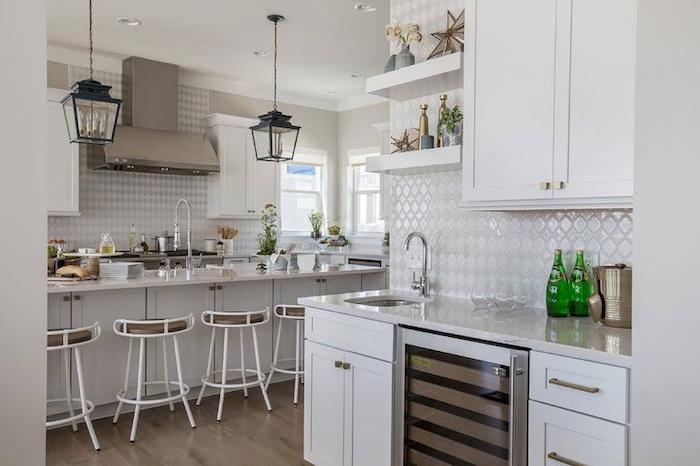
{"x":407,"y":142}
{"x":452,"y":39}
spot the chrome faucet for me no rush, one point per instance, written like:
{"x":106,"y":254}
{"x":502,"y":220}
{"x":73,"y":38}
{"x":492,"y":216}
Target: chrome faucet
{"x":189,"y":264}
{"x":421,"y":284}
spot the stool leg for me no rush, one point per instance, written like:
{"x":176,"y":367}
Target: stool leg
{"x":126,"y":380}
{"x":296,"y":365}
{"x":69,"y":392}
{"x":261,"y":377}
{"x":139,"y":388}
{"x":223,"y":377}
{"x":181,"y":383}
{"x":166,"y":375}
{"x":209,"y":361}
{"x":276,"y":354}
{"x":83,"y":405}
{"x":243,"y":375}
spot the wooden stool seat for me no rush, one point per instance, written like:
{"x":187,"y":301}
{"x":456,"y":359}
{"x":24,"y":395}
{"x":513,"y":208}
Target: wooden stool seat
{"x":234,"y":319}
{"x":73,"y":337}
{"x":153,"y":328}
{"x":290,"y":311}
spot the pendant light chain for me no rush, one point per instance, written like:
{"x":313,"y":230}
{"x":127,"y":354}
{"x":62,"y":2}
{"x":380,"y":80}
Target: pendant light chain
{"x":90,"y":10}
{"x":274,"y":100}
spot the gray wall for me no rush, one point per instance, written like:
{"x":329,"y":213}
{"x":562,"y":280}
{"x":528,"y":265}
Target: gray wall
{"x":666,"y":376}
{"x":23,"y":279}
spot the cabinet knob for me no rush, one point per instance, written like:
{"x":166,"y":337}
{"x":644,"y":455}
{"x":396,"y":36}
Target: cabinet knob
{"x":219,"y":287}
{"x":338,"y":364}
{"x":545,"y":186}
{"x":346,"y":365}
{"x":66,"y":298}
{"x":559,"y":185}
{"x":76,"y":297}
{"x":211,"y":288}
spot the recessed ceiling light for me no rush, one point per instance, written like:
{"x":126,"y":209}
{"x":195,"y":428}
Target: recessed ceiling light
{"x":331,"y":91}
{"x":133,"y":22}
{"x":365,"y":8}
{"x":261,"y":53}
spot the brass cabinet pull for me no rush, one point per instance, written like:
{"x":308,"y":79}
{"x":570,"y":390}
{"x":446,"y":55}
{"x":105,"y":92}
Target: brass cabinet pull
{"x":66,"y":298}
{"x":76,"y":297}
{"x":552,"y":455}
{"x":219,"y":287}
{"x":545,"y":186}
{"x":573,"y":386}
{"x":211,"y":288}
{"x":558,"y":185}
{"x":346,"y":365}
{"x":338,"y":364}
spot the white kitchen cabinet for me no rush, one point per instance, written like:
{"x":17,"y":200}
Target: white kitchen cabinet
{"x":243,"y":186}
{"x":347,"y":408}
{"x":104,"y":361}
{"x":551,"y":85}
{"x":558,"y":436}
{"x":62,"y":160}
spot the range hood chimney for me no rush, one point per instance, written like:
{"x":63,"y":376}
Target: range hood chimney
{"x":148,"y":140}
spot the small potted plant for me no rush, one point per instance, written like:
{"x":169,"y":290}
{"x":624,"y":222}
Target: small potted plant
{"x":451,"y":126}
{"x":316,"y":220}
{"x":267,"y":240}
{"x":405,"y":35}
{"x":334,"y":230}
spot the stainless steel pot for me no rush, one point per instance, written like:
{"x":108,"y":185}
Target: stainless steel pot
{"x":164,"y":243}
{"x":612,"y":302}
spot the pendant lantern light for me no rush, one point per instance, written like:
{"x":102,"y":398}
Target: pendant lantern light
{"x":91,"y":113}
{"x":275,"y":137}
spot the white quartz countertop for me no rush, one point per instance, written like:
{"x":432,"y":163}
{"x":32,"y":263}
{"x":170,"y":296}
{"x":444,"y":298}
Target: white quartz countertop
{"x":234,"y":273}
{"x":577,"y":337}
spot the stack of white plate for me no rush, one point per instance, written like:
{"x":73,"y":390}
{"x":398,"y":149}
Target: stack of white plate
{"x":122,"y":270}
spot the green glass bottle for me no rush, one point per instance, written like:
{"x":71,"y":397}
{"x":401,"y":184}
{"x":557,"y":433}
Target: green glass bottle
{"x":558,"y":290}
{"x":580,"y":287}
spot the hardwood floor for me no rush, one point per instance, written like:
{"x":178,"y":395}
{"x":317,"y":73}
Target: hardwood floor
{"x":248,"y":435}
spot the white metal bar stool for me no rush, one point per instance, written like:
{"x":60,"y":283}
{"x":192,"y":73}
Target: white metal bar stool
{"x":142,"y":330}
{"x":295,"y":314}
{"x":229,"y":320}
{"x":67,"y":340}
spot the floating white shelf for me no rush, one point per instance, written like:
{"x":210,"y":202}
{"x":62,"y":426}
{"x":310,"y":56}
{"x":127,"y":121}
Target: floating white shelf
{"x":425,"y":78}
{"x":416,"y":162}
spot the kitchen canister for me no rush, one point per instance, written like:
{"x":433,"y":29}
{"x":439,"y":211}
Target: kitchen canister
{"x":612,"y":303}
{"x":210,"y":245}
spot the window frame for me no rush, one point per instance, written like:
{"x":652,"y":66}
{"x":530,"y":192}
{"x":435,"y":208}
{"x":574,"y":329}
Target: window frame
{"x":353,"y":156}
{"x":310,"y":157}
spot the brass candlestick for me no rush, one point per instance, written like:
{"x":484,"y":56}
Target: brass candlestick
{"x":441,"y":110}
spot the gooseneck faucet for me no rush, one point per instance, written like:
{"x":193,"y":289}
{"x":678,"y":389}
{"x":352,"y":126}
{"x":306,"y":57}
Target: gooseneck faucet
{"x":422,"y":284}
{"x":189,"y":264}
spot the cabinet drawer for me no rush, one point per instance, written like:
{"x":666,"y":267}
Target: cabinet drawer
{"x":362,"y":336}
{"x":560,"y":437}
{"x":588,"y":387}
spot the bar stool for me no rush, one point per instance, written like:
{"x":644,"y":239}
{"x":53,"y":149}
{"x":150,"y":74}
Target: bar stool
{"x":229,"y":320}
{"x":142,"y":330}
{"x":293,"y":314}
{"x":67,"y":340}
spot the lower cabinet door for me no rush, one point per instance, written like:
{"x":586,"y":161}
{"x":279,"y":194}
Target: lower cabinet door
{"x":323,"y":405}
{"x":560,"y":437}
{"x":368,"y":411}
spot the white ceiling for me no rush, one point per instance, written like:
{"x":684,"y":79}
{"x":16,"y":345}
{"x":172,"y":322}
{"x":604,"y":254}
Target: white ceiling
{"x":322,"y":43}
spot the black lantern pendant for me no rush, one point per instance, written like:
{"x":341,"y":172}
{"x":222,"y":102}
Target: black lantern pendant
{"x":275,"y":137}
{"x":91,"y":113}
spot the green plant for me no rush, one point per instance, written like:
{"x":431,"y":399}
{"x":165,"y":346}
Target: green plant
{"x":385,"y":240}
{"x":334,"y":229}
{"x":450,"y":118}
{"x":267,"y":240}
{"x":316,"y":220}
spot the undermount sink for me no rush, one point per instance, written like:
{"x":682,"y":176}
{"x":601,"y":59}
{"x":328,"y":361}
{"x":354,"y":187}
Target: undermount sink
{"x":383,"y":301}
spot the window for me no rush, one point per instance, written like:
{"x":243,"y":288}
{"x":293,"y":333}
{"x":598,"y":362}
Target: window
{"x":302,"y":191}
{"x":366,"y":194}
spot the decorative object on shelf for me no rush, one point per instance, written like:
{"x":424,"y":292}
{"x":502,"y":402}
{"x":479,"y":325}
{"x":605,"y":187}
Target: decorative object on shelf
{"x":408,"y":141}
{"x":404,"y":35}
{"x":441,"y":110}
{"x":390,"y":63}
{"x":334,"y":230}
{"x":91,"y":113}
{"x":427,"y":142}
{"x":275,"y":137}
{"x":451,"y":126}
{"x":451,"y":40}
{"x":316,"y":220}
{"x":267,"y":240}
{"x":386,"y":239}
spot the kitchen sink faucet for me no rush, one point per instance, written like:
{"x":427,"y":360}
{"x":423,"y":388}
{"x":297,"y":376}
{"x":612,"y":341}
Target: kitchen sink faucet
{"x":422,"y":284}
{"x":189,"y":263}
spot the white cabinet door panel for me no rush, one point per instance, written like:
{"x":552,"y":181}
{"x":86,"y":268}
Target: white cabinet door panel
{"x":63,"y":162}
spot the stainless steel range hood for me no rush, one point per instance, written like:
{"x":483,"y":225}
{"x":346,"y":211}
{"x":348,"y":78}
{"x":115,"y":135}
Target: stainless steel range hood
{"x":149,"y":141}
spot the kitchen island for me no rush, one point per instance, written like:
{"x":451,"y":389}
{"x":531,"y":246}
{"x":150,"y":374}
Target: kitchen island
{"x":239,"y":287}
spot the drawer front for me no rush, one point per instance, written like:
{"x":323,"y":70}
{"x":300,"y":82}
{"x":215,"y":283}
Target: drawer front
{"x":361,"y":336}
{"x":559,"y":437}
{"x":587,"y":387}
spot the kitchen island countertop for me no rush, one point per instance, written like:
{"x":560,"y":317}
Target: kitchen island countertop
{"x":577,"y":337}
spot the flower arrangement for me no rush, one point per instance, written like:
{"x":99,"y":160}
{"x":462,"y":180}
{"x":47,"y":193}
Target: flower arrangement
{"x":267,"y":240}
{"x":403,"y":33}
{"x":450,"y":118}
{"x":316,"y":220}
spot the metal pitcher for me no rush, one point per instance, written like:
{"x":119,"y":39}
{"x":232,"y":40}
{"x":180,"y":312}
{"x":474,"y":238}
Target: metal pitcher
{"x":612,"y":302}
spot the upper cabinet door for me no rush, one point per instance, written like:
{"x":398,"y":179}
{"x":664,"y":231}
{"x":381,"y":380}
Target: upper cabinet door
{"x":509,"y":84}
{"x":265,"y":186}
{"x":601,"y":50}
{"x":62,"y":160}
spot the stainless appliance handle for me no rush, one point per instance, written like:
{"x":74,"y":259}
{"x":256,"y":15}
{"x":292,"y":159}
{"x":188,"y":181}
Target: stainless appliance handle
{"x":562,"y":459}
{"x":517,"y":411}
{"x":511,"y":409}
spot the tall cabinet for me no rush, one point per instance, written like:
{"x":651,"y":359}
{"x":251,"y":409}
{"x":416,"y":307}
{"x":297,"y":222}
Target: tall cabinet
{"x":549,"y":103}
{"x":62,"y":160}
{"x":243,"y":186}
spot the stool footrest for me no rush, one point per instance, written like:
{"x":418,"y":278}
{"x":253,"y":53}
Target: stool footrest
{"x":212,"y":383}
{"x":182,"y":391}
{"x":90,"y":407}
{"x":287,"y":371}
